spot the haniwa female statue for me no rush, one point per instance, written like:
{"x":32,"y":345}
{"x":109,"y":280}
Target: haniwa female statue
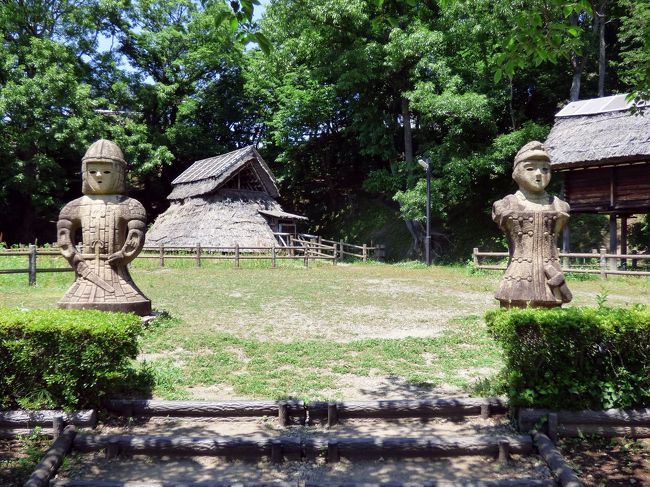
{"x":112,"y":230}
{"x":532,"y":221}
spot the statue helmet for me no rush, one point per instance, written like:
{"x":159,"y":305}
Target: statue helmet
{"x":532,"y":150}
{"x":105,"y":151}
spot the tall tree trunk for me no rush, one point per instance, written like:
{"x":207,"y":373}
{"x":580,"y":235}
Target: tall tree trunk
{"x":599,"y":17}
{"x":578,"y":65}
{"x":414,"y":227}
{"x":408,"y":136}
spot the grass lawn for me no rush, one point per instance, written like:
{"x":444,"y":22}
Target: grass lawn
{"x":350,"y":331}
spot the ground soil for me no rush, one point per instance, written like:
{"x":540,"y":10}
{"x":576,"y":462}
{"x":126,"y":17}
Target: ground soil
{"x":608,"y":462}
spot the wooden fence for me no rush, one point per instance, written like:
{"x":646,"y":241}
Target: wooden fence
{"x":303,"y":247}
{"x":597,"y":262}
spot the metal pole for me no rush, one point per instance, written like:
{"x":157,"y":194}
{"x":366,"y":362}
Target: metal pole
{"x":427,"y":240}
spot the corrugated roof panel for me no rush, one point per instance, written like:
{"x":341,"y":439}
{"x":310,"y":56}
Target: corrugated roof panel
{"x":596,"y":105}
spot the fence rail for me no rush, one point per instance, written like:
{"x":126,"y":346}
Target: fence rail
{"x":303,"y":247}
{"x":597,"y":262}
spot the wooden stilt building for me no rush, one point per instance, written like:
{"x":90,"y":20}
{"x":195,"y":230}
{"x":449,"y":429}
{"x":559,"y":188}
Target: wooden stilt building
{"x":224,"y":201}
{"x":601,"y":147}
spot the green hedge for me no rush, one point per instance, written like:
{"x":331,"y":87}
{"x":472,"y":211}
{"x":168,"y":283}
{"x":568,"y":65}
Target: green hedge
{"x":575,"y":358}
{"x":64,"y":358}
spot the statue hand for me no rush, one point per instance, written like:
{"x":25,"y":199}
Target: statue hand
{"x":117,"y":257}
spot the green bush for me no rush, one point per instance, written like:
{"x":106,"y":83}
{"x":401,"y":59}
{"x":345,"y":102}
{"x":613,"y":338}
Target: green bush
{"x":64,"y":358}
{"x":575,"y":358}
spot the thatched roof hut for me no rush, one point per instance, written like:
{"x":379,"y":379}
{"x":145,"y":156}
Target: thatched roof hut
{"x":601,"y":147}
{"x":223,"y":201}
{"x":602,"y":150}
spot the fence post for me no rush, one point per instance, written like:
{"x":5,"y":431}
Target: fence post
{"x":198,"y":254}
{"x":634,"y":261}
{"x":307,"y":256}
{"x":365,"y":253}
{"x":32,"y":265}
{"x":475,"y":257}
{"x":603,"y":263}
{"x":161,"y":253}
{"x":273,"y":263}
{"x":291,"y":245}
{"x":341,"y":253}
{"x":237,"y":256}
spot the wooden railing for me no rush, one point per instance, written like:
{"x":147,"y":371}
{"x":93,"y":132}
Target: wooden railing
{"x":303,"y":247}
{"x":597,"y":262}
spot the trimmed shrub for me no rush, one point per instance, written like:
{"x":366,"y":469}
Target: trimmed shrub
{"x":575,"y":358}
{"x":64,"y":358}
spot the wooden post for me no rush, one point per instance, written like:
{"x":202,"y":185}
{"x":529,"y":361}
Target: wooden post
{"x":236,"y":256}
{"x":613,"y":241}
{"x":307,"y":256}
{"x":283,"y":413}
{"x":475,"y":257}
{"x":551,"y":423}
{"x":603,"y":263}
{"x":161,"y":255}
{"x":276,"y":451}
{"x":198,"y":255}
{"x":365,"y":253}
{"x":113,"y":448}
{"x":504,"y":451}
{"x":333,"y":451}
{"x":624,"y":241}
{"x":332,"y":414}
{"x":485,"y":410}
{"x":57,"y":426}
{"x":273,"y":256}
{"x":341,"y":252}
{"x":634,"y":261}
{"x":32,"y":265}
{"x":291,"y":245}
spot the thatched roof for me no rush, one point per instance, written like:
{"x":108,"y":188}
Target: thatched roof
{"x":597,"y":132}
{"x":207,"y":175}
{"x":222,"y":220}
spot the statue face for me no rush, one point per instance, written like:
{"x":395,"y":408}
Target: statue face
{"x":533,"y":175}
{"x":102,"y":178}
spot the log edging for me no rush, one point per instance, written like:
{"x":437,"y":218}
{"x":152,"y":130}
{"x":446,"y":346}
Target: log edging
{"x":294,"y":448}
{"x":555,"y":461}
{"x":433,"y":483}
{"x":45,"y":417}
{"x":634,"y":423}
{"x":52,"y":459}
{"x":291,"y":411}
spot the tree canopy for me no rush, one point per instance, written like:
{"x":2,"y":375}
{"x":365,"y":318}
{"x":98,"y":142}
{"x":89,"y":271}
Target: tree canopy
{"x":341,"y":96}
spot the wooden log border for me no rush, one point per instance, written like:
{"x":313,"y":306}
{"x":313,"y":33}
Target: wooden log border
{"x":287,"y":412}
{"x":394,"y":409}
{"x":52,"y":459}
{"x":634,"y":423}
{"x":555,"y":461}
{"x":30,"y":419}
{"x":460,"y":483}
{"x":293,"y":448}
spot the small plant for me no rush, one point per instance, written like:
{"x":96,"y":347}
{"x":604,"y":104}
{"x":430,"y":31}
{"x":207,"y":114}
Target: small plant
{"x":601,"y":298}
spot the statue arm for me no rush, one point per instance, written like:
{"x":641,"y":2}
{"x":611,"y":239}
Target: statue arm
{"x":501,"y":211}
{"x":66,"y":228}
{"x":135,"y":235}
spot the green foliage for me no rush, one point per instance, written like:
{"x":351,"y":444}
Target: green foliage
{"x":635,"y":36}
{"x":575,"y":358}
{"x":64,"y":358}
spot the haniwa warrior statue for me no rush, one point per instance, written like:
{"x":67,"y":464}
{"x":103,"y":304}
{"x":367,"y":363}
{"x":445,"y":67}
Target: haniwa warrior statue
{"x":112,"y":229}
{"x":532,"y":220}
